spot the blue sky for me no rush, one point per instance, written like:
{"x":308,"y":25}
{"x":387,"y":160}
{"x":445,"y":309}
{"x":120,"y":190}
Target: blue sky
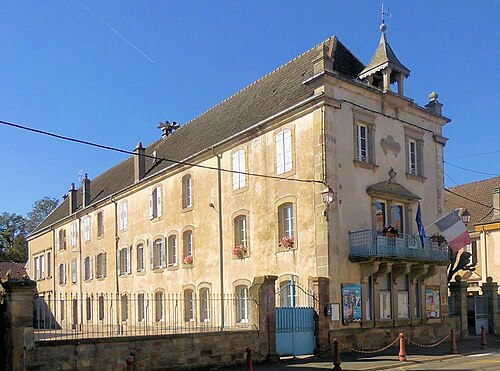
{"x":109,"y":71}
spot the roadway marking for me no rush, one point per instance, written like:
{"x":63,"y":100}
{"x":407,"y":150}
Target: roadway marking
{"x":480,"y":355}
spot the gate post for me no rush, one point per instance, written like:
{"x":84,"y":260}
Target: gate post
{"x":19,"y":300}
{"x":321,"y":288}
{"x":490,"y":291}
{"x":458,"y":289}
{"x":263,"y":290}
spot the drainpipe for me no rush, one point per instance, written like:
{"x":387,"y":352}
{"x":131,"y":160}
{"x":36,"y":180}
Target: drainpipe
{"x":54,"y":265}
{"x":116,"y":265}
{"x":81,"y":275}
{"x":221,"y":239}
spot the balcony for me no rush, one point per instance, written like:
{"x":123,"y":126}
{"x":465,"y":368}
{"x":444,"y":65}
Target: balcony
{"x":371,"y":245}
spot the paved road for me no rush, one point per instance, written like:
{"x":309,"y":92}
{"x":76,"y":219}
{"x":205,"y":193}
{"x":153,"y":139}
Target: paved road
{"x":488,"y":361}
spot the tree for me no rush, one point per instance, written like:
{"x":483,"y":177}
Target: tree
{"x":41,"y":209}
{"x":463,"y":263}
{"x":13,"y":245}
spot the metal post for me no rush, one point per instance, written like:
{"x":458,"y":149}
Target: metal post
{"x":336,"y":356}
{"x":402,"y":348}
{"x":454,"y":349}
{"x":484,"y":342}
{"x":249,"y":359}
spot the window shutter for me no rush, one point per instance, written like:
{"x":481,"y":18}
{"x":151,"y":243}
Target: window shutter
{"x":151,"y":254}
{"x":151,"y":213}
{"x":121,"y":215}
{"x":118,"y":261}
{"x":159,"y":200}
{"x":104,"y":269}
{"x":236,"y":176}
{"x":125,"y":215}
{"x":242,"y":168}
{"x":64,"y":239}
{"x":163,"y":253}
{"x":288,"y":149}
{"x":90,"y":268}
{"x":280,"y":166}
{"x":64,"y":273}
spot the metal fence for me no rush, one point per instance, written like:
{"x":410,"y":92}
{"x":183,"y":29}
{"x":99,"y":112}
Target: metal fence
{"x":71,"y":316}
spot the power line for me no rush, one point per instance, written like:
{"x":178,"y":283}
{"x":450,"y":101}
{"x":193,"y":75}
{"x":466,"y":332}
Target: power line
{"x":474,"y":154}
{"x":470,"y":199}
{"x":109,"y":148}
{"x":472,"y":171}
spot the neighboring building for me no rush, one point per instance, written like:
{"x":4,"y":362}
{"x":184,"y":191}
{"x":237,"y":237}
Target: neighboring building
{"x":482,"y":200}
{"x":152,"y":225}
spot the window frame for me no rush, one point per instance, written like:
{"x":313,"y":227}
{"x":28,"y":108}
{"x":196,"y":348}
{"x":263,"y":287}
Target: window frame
{"x":87,"y":230}
{"x":100,"y":224}
{"x":284,"y":151}
{"x":157,"y":253}
{"x":188,"y":246}
{"x":73,"y":234}
{"x":187,"y":192}
{"x":286,"y":225}
{"x":100,"y":265}
{"x":123,"y":259}
{"x":87,"y":268}
{"x":239,"y":165}
{"x":123,"y":209}
{"x":140,"y":257}
{"x":159,"y":301}
{"x":172,"y":251}
{"x":74,"y":271}
{"x":62,"y":273}
{"x":155,"y":203}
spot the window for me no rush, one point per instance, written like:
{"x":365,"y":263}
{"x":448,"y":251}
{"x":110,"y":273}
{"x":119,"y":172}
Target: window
{"x":414,"y":153}
{"x":403,"y":297}
{"x":398,"y":220}
{"x":159,"y":306}
{"x":61,"y":240}
{"x":63,"y":311}
{"x":74,"y":272}
{"x":49,"y":264}
{"x":62,"y":274}
{"x":239,"y":177}
{"x":123,"y":215}
{"x":141,"y":307}
{"x":188,"y":305}
{"x":101,"y":307}
{"x":73,"y":234}
{"x":286,"y":225}
{"x":412,"y":157}
{"x":362,"y":144}
{"x":172,"y":251}
{"x":124,"y":307}
{"x":380,"y":215}
{"x":140,"y":257}
{"x":205,"y":305}
{"x":39,"y":267}
{"x":284,"y":161}
{"x":157,"y":254}
{"x":187,"y":191}
{"x":100,"y":224}
{"x":187,"y":240}
{"x":123,"y":261}
{"x":241,"y":231}
{"x":86,"y":228}
{"x":385,"y":300}
{"x":100,"y":269}
{"x":87,"y":268}
{"x":242,"y":304}
{"x":88,"y":305}
{"x":288,"y":294}
{"x":155,"y":203}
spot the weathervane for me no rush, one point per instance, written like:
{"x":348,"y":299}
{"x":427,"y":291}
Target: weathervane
{"x":168,"y":128}
{"x":383,"y":27}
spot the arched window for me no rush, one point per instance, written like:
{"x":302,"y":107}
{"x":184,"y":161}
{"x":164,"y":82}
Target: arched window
{"x":172,"y":251}
{"x":188,"y":305}
{"x":124,"y":307}
{"x":88,"y":302}
{"x":286,"y":225}
{"x":62,"y":274}
{"x":140,"y":257}
{"x":205,"y":304}
{"x":187,"y":247}
{"x":87,"y":274}
{"x":141,"y":307}
{"x":241,"y":299}
{"x":158,"y":254}
{"x":187,"y":191}
{"x":101,"y":307}
{"x":159,"y":305}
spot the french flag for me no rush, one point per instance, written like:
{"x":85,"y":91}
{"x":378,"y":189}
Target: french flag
{"x":454,"y":230}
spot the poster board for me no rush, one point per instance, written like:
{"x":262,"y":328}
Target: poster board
{"x":351,"y":303}
{"x":432,"y":302}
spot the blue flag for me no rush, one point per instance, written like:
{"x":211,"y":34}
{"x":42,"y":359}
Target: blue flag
{"x":420,"y":225}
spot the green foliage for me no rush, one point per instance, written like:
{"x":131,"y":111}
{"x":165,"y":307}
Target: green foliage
{"x":41,"y":209}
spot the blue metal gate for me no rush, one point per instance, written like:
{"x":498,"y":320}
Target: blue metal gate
{"x":294,"y":320}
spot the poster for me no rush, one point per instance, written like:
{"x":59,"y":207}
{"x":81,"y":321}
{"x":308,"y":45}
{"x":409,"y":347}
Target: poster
{"x":351,"y":303}
{"x":432,"y":302}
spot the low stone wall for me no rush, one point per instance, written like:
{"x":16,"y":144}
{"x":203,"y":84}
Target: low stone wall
{"x":378,"y":337}
{"x":179,"y":351}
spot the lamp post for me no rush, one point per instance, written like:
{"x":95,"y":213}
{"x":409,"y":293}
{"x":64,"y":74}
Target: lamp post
{"x":466,"y":217}
{"x":328,"y":196}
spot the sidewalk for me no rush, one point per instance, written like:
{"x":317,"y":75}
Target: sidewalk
{"x":381,"y":361}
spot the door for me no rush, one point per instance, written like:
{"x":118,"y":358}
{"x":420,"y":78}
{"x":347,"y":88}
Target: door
{"x":294,"y":331}
{"x":481,"y":313}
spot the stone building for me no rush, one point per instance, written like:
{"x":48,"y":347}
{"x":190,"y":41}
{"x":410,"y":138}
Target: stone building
{"x":482,"y":200}
{"x":238,"y":193}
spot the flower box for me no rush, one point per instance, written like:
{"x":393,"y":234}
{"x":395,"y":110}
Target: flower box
{"x":287,"y":242}
{"x":390,"y":231}
{"x":188,"y":259}
{"x":240,"y":251}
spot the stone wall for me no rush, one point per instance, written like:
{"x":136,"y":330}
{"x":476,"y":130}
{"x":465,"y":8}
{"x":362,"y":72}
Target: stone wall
{"x":179,"y":351}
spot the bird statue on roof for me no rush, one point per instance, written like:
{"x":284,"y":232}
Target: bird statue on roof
{"x":168,"y":128}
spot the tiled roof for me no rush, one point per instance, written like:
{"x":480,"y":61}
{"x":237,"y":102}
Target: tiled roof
{"x":476,"y":197}
{"x":260,"y":100}
{"x":15,"y":270}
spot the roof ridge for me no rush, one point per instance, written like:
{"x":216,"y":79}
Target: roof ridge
{"x":258,"y":80}
{"x":474,"y":182}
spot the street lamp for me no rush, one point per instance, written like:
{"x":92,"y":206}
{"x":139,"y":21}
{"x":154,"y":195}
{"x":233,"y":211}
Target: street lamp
{"x":466,"y":217}
{"x":328,"y":196}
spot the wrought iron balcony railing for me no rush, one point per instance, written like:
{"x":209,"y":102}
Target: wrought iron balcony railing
{"x":369,"y":245}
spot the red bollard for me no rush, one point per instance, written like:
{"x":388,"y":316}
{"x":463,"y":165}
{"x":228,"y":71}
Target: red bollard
{"x":249,"y":359}
{"x":336,"y":356}
{"x":454,"y":349}
{"x":402,"y":348}
{"x":130,"y":363}
{"x":484,"y":342}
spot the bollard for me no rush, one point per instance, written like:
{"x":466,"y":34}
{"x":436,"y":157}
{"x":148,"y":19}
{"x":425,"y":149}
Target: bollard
{"x":336,"y":356}
{"x":130,"y":363}
{"x":402,"y":348}
{"x":454,"y":349}
{"x":484,"y":342}
{"x":249,"y":359}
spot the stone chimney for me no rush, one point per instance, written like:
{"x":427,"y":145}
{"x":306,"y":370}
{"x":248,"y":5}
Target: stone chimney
{"x":139,"y":162}
{"x":496,"y":203}
{"x":434,"y":106}
{"x":86,"y":191}
{"x":72,"y":199}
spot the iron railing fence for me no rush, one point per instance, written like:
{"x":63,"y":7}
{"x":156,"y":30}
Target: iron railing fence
{"x":73,"y":316}
{"x":290,"y":294}
{"x":369,"y":244}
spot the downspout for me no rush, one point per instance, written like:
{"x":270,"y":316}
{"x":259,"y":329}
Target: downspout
{"x":485,"y":251}
{"x":81,"y":275}
{"x":116,"y":264}
{"x":54,"y":266}
{"x":221,"y":239}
